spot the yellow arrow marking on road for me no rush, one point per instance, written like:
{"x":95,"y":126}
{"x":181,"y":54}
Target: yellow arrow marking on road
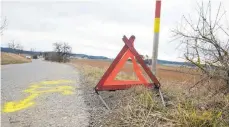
{"x":36,"y":90}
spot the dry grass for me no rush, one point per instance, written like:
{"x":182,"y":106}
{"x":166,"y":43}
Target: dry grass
{"x":10,"y":58}
{"x":165,"y":73}
{"x":203,"y":106}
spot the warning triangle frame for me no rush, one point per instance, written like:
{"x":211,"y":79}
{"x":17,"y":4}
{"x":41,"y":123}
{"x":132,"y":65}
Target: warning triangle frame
{"x":111,"y":78}
{"x":127,"y":51}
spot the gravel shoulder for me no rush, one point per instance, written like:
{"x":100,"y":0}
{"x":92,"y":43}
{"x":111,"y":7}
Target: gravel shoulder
{"x":98,"y":112}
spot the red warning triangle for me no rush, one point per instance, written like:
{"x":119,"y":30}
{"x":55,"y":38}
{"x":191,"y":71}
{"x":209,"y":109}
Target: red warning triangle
{"x":111,"y":78}
{"x":108,"y":81}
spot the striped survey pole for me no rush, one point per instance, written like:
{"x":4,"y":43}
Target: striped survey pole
{"x":155,"y":43}
{"x":156,"y":35}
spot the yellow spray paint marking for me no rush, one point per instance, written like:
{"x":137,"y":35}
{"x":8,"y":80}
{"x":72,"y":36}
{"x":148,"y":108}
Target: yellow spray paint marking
{"x":55,"y":82}
{"x":36,"y":90}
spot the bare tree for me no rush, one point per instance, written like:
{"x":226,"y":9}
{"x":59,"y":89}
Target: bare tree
{"x":66,"y":49}
{"x":19,"y":48}
{"x":61,"y":53}
{"x":58,"y":50}
{"x":206,"y":41}
{"x":12,"y":45}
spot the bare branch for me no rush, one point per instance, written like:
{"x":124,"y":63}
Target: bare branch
{"x":3,"y":25}
{"x":206,"y":49}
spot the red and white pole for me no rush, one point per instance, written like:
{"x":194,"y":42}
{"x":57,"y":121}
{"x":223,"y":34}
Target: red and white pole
{"x":156,"y":42}
{"x":156,"y":36}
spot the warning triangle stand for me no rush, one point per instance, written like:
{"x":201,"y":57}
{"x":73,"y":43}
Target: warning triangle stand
{"x":108,"y":81}
{"x":112,"y":84}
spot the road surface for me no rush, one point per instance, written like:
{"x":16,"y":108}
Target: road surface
{"x":42,"y":94}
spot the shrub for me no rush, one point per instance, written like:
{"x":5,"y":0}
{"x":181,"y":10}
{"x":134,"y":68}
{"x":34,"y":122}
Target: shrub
{"x":35,"y":57}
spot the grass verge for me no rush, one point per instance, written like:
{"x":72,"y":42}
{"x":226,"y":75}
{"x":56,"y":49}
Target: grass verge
{"x":10,"y":58}
{"x":138,"y":106}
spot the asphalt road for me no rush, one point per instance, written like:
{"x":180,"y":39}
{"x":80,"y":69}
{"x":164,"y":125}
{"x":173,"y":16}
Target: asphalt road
{"x":42,"y":94}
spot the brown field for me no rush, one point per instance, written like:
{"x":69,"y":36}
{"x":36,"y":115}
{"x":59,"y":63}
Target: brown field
{"x":165,"y":73}
{"x":10,"y":58}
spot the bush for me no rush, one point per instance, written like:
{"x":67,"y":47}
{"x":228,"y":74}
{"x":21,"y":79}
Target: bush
{"x":61,"y":53}
{"x":35,"y":57}
{"x":53,"y":56}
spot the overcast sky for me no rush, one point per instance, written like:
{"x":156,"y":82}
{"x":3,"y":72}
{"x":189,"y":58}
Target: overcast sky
{"x":96,"y":27}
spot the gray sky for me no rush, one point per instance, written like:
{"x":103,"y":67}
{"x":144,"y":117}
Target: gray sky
{"x":96,"y":27}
